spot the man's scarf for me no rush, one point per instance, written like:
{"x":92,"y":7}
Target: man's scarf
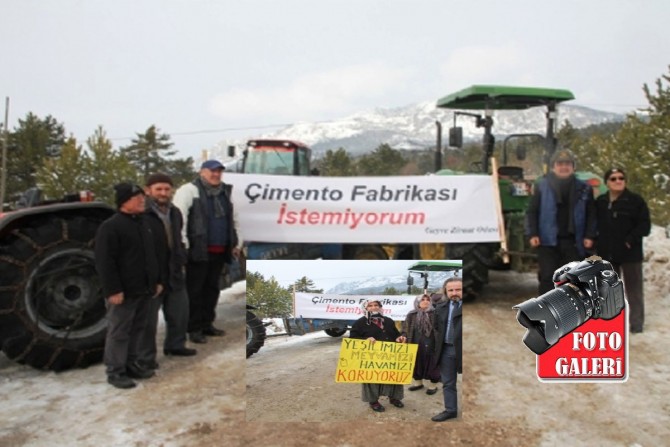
{"x":214,"y":192}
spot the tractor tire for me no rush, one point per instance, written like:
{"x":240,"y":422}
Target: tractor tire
{"x":52,"y":312}
{"x":255,"y":334}
{"x":364,"y":252}
{"x":335,"y":332}
{"x":476,"y":258}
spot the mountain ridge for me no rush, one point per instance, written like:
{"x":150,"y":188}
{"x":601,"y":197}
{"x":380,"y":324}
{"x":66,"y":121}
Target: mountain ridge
{"x":375,"y":285}
{"x":413,"y":127}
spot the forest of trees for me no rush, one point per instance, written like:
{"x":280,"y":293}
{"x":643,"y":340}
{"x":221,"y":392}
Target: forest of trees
{"x":40,"y":154}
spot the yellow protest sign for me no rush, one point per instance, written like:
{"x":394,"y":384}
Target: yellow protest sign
{"x":379,"y":362}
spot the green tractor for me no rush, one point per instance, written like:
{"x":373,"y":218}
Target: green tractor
{"x":511,"y":168}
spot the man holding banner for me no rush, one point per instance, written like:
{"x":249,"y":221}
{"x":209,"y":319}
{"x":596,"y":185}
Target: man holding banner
{"x":376,"y":327}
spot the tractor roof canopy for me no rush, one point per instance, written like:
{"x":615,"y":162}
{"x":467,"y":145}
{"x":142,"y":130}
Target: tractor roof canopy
{"x":436,"y":266}
{"x":499,"y":97}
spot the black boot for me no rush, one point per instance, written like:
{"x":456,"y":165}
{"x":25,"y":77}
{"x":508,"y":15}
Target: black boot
{"x":120,"y":381}
{"x":181,"y":352}
{"x":213,"y":332}
{"x":135,"y":371}
{"x":197,"y":337}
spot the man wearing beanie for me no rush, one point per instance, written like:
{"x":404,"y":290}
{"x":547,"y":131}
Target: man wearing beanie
{"x":210,"y":235}
{"x":560,"y":220}
{"x":126,"y":260}
{"x":166,"y":225}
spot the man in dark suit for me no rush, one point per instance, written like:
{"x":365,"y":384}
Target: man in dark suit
{"x":449,"y":344}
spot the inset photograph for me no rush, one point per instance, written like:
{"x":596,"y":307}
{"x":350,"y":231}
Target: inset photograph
{"x":339,"y":340}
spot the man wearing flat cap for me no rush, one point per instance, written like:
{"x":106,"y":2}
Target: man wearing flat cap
{"x":166,"y":225}
{"x":126,"y":260}
{"x":560,"y":220}
{"x":211,"y":238}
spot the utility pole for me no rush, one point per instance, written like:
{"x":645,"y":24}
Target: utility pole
{"x":3,"y":172}
{"x":438,"y":148}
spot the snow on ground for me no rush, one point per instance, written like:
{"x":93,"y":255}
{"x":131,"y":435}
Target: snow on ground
{"x":202,"y":401}
{"x":291,"y":380}
{"x":191,"y":401}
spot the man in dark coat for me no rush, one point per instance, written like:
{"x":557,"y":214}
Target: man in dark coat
{"x":449,"y":344}
{"x":560,"y":220}
{"x":623,"y":220}
{"x":166,"y":224}
{"x":126,"y":260}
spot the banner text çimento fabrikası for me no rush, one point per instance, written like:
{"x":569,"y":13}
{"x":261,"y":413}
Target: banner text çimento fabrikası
{"x":407,"y":209}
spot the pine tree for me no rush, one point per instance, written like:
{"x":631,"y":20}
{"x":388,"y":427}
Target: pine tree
{"x":337,"y":164}
{"x":306,"y":285}
{"x":382,"y":161}
{"x":33,"y":141}
{"x":149,"y":152}
{"x":657,"y":147}
{"x":641,"y":146}
{"x":63,"y":174}
{"x":268,"y":296}
{"x":181,"y":170}
{"x":106,"y":167}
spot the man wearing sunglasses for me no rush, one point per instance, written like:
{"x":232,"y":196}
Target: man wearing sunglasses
{"x":623,"y":220}
{"x":560,"y":221}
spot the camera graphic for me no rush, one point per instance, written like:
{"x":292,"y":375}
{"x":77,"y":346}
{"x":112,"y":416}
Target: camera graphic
{"x":584,"y":290}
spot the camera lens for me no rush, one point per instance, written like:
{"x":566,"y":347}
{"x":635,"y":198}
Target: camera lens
{"x":552,"y":315}
{"x":588,"y":289}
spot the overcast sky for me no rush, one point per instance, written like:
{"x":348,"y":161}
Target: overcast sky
{"x":201,"y":69}
{"x":328,"y":273}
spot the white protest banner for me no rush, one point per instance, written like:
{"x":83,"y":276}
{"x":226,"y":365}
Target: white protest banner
{"x":348,"y":307}
{"x":408,"y":209}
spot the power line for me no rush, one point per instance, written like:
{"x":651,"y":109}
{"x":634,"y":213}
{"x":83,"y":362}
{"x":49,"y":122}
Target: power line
{"x":227,"y":129}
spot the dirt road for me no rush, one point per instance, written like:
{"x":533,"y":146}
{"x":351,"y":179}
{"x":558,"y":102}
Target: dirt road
{"x":502,"y":401}
{"x":292,"y":400}
{"x":191,"y":401}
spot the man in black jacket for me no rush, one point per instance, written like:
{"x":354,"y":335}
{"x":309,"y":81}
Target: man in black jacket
{"x":166,"y":222}
{"x":623,"y":220}
{"x":126,"y":261}
{"x":449,"y":344}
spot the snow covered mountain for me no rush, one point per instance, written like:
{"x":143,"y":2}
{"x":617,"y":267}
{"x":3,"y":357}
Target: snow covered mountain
{"x":376,"y":284}
{"x":413,"y":127}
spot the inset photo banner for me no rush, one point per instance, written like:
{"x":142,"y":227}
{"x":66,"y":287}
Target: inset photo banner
{"x":348,"y":307}
{"x":403,"y":209}
{"x":379,"y":362}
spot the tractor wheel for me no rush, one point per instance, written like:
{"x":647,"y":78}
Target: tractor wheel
{"x":255,"y":334}
{"x":335,"y":332}
{"x":364,"y":252}
{"x":476,"y":258}
{"x":52,"y":312}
